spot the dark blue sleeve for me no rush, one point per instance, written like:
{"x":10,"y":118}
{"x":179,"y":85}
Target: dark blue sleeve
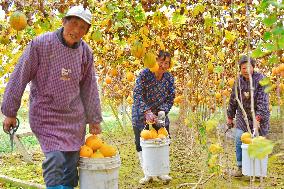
{"x":233,"y":104}
{"x":138,"y":93}
{"x":168,"y":103}
{"x":261,"y":100}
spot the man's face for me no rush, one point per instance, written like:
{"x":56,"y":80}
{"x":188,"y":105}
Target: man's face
{"x":244,"y":70}
{"x":74,"y":29}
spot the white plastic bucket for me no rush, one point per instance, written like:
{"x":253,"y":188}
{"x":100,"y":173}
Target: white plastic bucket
{"x":252,"y":166}
{"x":156,"y":156}
{"x":99,"y":173}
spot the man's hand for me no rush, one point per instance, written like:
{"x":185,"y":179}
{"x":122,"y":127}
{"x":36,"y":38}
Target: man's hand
{"x":229,"y":121}
{"x":95,"y":128}
{"x":257,"y":121}
{"x":9,"y":123}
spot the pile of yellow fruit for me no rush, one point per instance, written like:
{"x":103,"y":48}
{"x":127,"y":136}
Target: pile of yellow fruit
{"x":246,"y":138}
{"x":94,"y":147}
{"x":153,"y":134}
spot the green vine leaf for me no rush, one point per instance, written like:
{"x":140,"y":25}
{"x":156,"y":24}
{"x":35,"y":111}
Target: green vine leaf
{"x":97,"y":36}
{"x":257,"y":53}
{"x":270,"y":47}
{"x":270,"y":20}
{"x":208,"y":20}
{"x":278,"y":30}
{"x":218,"y":69}
{"x":199,"y":8}
{"x":265,"y":81}
{"x":139,"y":14}
{"x":273,"y":59}
{"x":281,"y":42}
{"x":269,"y":88}
{"x":267,"y":36}
{"x":260,"y":147}
{"x":178,"y":19}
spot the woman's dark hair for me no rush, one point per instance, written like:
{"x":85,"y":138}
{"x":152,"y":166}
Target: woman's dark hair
{"x":244,"y":59}
{"x":163,"y":54}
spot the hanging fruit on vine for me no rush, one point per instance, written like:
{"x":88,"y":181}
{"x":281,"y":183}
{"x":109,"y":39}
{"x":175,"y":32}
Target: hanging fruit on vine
{"x":18,"y":20}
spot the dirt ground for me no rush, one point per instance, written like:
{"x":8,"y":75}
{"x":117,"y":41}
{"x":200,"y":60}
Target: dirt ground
{"x":188,"y":160}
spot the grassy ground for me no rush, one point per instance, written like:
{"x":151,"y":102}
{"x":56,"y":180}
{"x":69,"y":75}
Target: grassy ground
{"x":187,"y":157}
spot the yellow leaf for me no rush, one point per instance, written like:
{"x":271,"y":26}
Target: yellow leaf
{"x":172,"y":36}
{"x":137,"y":62}
{"x":119,"y":53}
{"x":162,"y":46}
{"x":207,"y":48}
{"x":144,"y":30}
{"x":221,"y":55}
{"x":230,"y":36}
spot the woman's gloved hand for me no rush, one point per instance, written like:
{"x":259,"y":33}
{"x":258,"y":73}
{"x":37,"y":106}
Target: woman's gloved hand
{"x":150,"y":117}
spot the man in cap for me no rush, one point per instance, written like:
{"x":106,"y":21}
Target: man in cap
{"x":63,"y":96}
{"x":261,"y":106}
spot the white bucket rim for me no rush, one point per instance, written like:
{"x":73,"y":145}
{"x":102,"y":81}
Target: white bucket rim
{"x":99,"y":163}
{"x":155,"y":142}
{"x":244,"y":146}
{"x":104,"y":158}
